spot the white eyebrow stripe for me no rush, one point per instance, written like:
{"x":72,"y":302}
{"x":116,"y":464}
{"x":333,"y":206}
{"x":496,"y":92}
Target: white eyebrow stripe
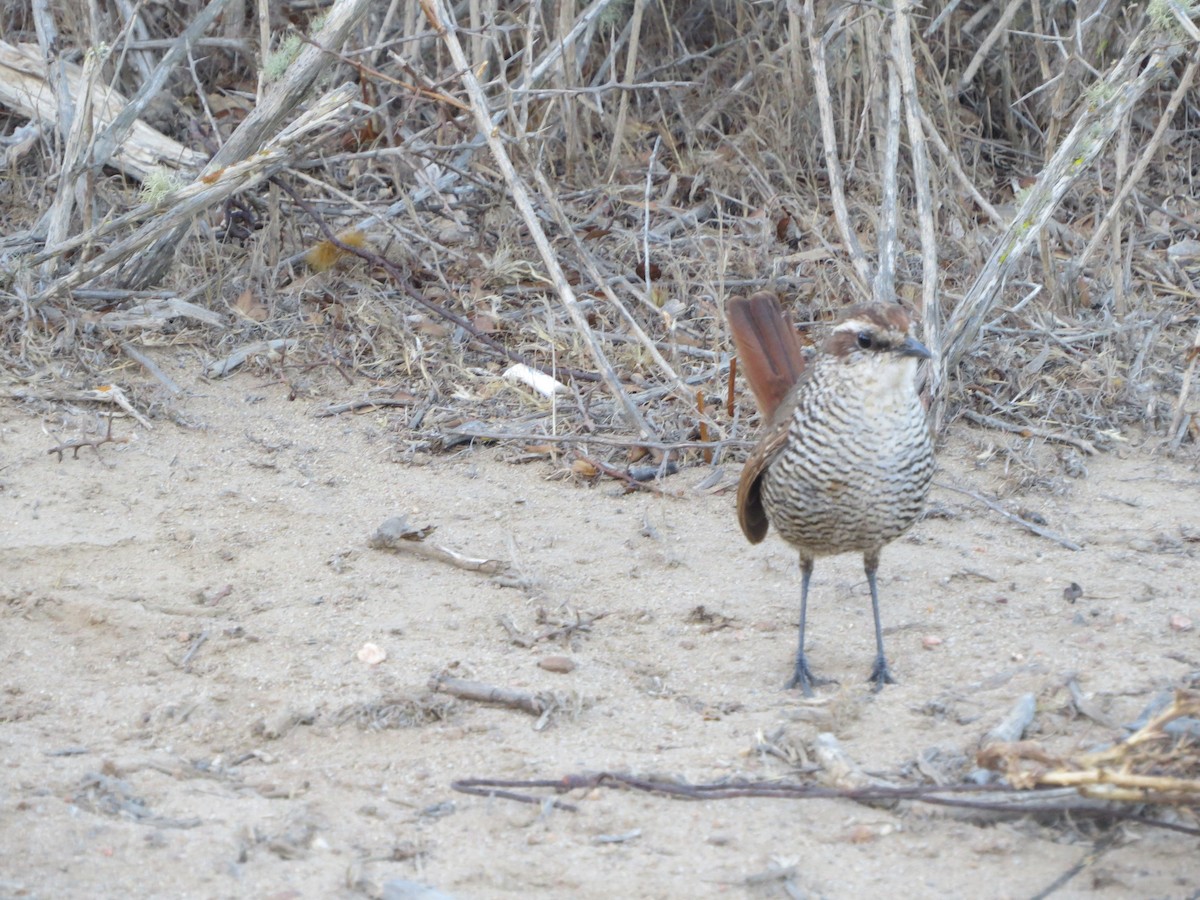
{"x":856,"y":325}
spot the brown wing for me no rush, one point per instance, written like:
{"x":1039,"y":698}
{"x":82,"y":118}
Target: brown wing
{"x":752,"y":515}
{"x":767,"y":348}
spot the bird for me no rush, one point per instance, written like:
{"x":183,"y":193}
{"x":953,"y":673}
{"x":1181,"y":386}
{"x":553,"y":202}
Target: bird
{"x":846,"y":456}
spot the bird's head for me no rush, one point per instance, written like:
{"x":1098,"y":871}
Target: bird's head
{"x":878,"y":334}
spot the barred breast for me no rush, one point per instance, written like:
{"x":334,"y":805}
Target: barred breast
{"x":856,"y":468}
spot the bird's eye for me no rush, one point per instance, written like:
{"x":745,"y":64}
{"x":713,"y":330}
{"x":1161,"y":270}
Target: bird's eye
{"x":864,"y":340}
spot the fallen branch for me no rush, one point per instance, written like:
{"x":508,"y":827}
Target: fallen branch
{"x":1012,"y":517}
{"x":544,"y":705}
{"x":397,"y":535}
{"x":559,"y":631}
{"x":1149,"y":766}
{"x":108,"y":393}
{"x":985,"y":798}
{"x":24,"y":90}
{"x":533,"y":438}
{"x":77,"y":444}
{"x":1030,"y":431}
{"x":152,"y":367}
{"x":367,"y":403}
{"x":222,"y":367}
{"x":180,"y":207}
{"x":1013,"y":726}
{"x":631,"y":481}
{"x":534,"y":704}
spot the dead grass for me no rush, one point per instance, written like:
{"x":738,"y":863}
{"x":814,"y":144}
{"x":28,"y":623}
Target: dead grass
{"x":674,"y":154}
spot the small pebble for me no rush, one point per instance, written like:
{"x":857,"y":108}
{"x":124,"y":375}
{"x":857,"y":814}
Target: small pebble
{"x":930,"y":641}
{"x":1180,"y":622}
{"x":371,"y":654}
{"x":560,"y":664}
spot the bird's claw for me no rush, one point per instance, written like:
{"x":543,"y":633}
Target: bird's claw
{"x":803,"y":678}
{"x":880,"y":675}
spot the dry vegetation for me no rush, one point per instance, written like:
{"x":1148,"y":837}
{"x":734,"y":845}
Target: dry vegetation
{"x":1020,"y":173}
{"x":411,"y":199}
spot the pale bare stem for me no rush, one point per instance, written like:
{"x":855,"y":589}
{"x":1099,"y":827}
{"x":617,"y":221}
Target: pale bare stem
{"x":412,"y":15}
{"x":985,"y":48}
{"x":941,"y":17}
{"x":951,"y":160}
{"x":554,"y":53}
{"x":1039,"y":48}
{"x":133,"y":29}
{"x":795,"y":48}
{"x":1176,"y":432}
{"x":1049,"y":271}
{"x":829,"y":137}
{"x":1124,"y":86}
{"x":475,"y":23}
{"x":56,"y":66}
{"x":1184,"y":17}
{"x":442,"y":20}
{"x":75,"y":151}
{"x":902,"y":55}
{"x":383,"y":27}
{"x":520,"y":119}
{"x":569,"y":78}
{"x":885,"y":274}
{"x":264,"y":47}
{"x":646,"y":217}
{"x":631,"y":55}
{"x":1122,"y":166}
{"x":1139,"y":168}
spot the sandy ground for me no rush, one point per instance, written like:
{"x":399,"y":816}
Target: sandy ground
{"x":183,"y":712}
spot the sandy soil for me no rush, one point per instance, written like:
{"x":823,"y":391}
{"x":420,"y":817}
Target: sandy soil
{"x":183,"y":712}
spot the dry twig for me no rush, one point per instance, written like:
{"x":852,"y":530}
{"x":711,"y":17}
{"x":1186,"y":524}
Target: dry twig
{"x":396,"y":534}
{"x":77,"y":444}
{"x":1012,"y":517}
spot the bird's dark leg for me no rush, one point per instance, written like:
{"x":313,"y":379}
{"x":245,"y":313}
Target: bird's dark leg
{"x":879,"y":672}
{"x":802,"y":676}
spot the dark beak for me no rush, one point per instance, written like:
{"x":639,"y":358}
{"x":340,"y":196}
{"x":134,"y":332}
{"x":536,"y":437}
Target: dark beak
{"x":913,"y":347}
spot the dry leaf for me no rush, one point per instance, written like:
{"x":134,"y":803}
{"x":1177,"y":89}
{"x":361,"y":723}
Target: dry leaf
{"x":250,"y":307}
{"x":584,"y":468}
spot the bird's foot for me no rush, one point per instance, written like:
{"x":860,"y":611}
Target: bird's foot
{"x":880,"y":675}
{"x":803,"y":678}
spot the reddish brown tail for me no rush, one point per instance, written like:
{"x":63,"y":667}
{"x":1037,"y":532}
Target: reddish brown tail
{"x":767,"y":348}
